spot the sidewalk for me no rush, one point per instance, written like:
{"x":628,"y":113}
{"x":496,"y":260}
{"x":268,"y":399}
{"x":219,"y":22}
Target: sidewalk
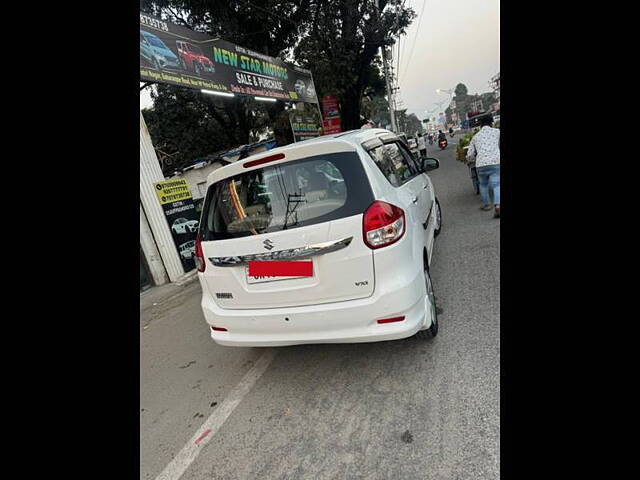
{"x":163,"y":293}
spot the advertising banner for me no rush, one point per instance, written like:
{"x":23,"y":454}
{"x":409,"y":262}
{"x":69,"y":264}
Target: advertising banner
{"x":182,"y":217}
{"x":305,"y":121}
{"x":304,"y":127}
{"x":331,"y":115}
{"x":180,"y":56}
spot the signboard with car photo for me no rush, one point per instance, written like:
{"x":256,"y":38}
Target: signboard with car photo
{"x":182,"y":217}
{"x":180,"y":56}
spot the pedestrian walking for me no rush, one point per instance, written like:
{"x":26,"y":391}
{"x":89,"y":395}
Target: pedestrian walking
{"x":422,"y":147}
{"x":485,"y":147}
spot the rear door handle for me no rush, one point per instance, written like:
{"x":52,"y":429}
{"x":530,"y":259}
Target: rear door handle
{"x":425,"y":187}
{"x":415,"y":200}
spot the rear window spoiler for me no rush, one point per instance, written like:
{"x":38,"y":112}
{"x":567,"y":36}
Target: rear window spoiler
{"x":379,"y":141}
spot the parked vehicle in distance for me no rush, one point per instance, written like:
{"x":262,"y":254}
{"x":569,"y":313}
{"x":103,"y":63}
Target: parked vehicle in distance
{"x":188,"y":249}
{"x":146,"y":52}
{"x":351,"y":218}
{"x":181,"y":225}
{"x":192,"y":59}
{"x":153,"y":50}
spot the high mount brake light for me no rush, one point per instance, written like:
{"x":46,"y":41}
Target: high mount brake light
{"x":382,"y":224}
{"x":260,"y":161}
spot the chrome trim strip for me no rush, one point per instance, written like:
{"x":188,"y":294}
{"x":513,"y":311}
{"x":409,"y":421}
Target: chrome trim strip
{"x":290,"y":254}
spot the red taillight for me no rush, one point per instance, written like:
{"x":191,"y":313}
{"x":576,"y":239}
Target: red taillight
{"x":199,"y":256}
{"x":260,"y":161}
{"x":391,"y":320}
{"x":382,"y":224}
{"x":219,"y":329}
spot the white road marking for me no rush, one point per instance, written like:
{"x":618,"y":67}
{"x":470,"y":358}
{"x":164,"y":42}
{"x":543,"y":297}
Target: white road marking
{"x":211,"y":426}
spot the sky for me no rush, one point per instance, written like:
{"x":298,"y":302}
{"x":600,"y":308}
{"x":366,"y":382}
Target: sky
{"x":458,"y":41}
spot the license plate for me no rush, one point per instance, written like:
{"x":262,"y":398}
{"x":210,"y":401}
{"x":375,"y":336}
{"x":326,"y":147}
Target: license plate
{"x":281,"y":271}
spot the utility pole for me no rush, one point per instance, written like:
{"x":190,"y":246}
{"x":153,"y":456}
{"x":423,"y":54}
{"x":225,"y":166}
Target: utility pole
{"x":390,"y":95}
{"x":387,"y":79}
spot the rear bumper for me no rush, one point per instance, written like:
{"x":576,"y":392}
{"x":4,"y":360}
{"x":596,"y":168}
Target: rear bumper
{"x":352,"y":321}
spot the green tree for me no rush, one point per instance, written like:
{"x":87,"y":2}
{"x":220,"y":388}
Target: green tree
{"x":185,"y":124}
{"x":268,"y":26}
{"x":461,"y":90}
{"x":341,"y":45}
{"x":376,"y":109}
{"x":413,"y":124}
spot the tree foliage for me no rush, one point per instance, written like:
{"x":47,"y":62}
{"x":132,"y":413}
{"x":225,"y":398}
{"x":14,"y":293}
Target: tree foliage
{"x":341,"y":45}
{"x":186,"y":124}
{"x":461,"y":90}
{"x":413,"y":124}
{"x":267,"y":26}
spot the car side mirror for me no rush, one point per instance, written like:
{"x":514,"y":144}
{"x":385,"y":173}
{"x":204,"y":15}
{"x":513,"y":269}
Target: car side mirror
{"x":428,"y":164}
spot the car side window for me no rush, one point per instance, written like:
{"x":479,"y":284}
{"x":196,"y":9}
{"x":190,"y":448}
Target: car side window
{"x":394,"y":163}
{"x":410,"y":159}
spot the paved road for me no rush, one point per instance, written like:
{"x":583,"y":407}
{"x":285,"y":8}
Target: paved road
{"x":403,"y":409}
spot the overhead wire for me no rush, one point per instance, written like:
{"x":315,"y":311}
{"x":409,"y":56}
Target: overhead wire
{"x":395,"y":78}
{"x":414,"y":41}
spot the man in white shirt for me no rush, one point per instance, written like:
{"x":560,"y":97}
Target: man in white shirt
{"x":485,"y":147}
{"x":422,"y":147}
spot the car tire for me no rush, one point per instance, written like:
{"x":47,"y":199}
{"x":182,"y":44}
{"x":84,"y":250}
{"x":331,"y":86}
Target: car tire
{"x":438,"y":218}
{"x":432,"y":331}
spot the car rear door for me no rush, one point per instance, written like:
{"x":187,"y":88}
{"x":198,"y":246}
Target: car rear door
{"x":291,"y":210}
{"x":397,"y":165}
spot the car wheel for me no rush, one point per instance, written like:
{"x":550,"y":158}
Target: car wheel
{"x":432,"y":331}
{"x":438,"y":214}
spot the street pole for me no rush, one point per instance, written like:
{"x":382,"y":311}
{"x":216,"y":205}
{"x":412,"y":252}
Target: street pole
{"x":385,"y":66}
{"x":392,"y":112}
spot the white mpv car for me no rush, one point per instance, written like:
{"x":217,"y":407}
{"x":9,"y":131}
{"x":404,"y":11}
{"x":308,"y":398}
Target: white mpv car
{"x":182,"y":224}
{"x":356,"y":208}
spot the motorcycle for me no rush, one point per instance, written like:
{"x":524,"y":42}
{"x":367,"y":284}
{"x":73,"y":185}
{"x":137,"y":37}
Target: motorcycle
{"x":443,"y":144}
{"x":430,"y":141}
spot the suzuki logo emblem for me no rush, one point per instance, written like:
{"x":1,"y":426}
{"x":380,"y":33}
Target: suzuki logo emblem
{"x":268,"y":244}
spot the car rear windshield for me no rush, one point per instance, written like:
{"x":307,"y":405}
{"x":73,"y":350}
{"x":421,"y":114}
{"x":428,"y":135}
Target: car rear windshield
{"x":285,"y":196}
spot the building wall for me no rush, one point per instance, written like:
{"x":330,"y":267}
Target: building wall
{"x":197,"y":178}
{"x":151,"y":172}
